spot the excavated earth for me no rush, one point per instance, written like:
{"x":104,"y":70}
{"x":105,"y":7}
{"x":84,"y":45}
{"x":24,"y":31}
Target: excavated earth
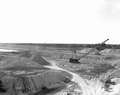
{"x":25,"y":72}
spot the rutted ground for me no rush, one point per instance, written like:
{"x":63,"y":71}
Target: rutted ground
{"x":88,"y":87}
{"x":76,"y":78}
{"x":28,"y":67}
{"x":25,"y":73}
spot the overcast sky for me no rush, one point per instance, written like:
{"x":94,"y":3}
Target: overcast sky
{"x":60,"y":21}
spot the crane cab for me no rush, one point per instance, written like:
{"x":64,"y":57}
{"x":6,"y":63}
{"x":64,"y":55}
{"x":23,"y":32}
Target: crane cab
{"x":72,"y":60}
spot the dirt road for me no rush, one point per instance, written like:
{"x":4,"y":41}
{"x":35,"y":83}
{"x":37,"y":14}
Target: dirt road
{"x":76,"y":78}
{"x":90,"y":88}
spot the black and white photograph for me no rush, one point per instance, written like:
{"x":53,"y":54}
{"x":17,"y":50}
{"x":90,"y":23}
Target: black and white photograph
{"x":59,"y":47}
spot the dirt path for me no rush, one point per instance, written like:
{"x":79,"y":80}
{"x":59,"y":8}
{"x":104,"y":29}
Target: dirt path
{"x":87,"y":88}
{"x":76,"y":78}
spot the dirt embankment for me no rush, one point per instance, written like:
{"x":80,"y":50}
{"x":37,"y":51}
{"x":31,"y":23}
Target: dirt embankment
{"x":50,"y":81}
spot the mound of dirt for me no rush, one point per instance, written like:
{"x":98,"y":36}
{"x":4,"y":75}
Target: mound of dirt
{"x":51,"y":91}
{"x":115,"y":73}
{"x":26,"y":54}
{"x":1,"y":57}
{"x":6,"y":61}
{"x":50,"y":81}
{"x":20,"y":53}
{"x":101,"y":68}
{"x":24,"y":62}
{"x":110,"y":52}
{"x":116,"y":63}
{"x":23,"y":68}
{"x":89,"y":50}
{"x":37,"y":58}
{"x":26,"y":65}
{"x":2,"y":74}
{"x":110,"y":57}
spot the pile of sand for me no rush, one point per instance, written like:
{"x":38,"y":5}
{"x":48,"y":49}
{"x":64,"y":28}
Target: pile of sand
{"x":52,"y":80}
{"x":37,"y":58}
{"x":26,"y":54}
{"x":110,"y":51}
{"x":89,"y":50}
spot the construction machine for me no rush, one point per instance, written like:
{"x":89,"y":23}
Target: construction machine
{"x":104,"y":41}
{"x":101,"y":45}
{"x":75,"y":59}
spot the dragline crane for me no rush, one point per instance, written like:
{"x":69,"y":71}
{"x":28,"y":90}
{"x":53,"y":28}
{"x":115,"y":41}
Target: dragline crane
{"x":104,"y":41}
{"x":102,"y":45}
{"x":75,"y":59}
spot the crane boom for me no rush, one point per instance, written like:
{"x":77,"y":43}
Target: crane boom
{"x":105,"y":41}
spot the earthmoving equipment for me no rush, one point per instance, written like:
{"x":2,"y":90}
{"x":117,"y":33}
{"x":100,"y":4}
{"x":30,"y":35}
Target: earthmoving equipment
{"x":102,"y":45}
{"x":104,"y":41}
{"x":75,"y":59}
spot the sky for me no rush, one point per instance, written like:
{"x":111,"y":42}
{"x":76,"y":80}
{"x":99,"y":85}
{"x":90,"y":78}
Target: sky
{"x":60,"y":21}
